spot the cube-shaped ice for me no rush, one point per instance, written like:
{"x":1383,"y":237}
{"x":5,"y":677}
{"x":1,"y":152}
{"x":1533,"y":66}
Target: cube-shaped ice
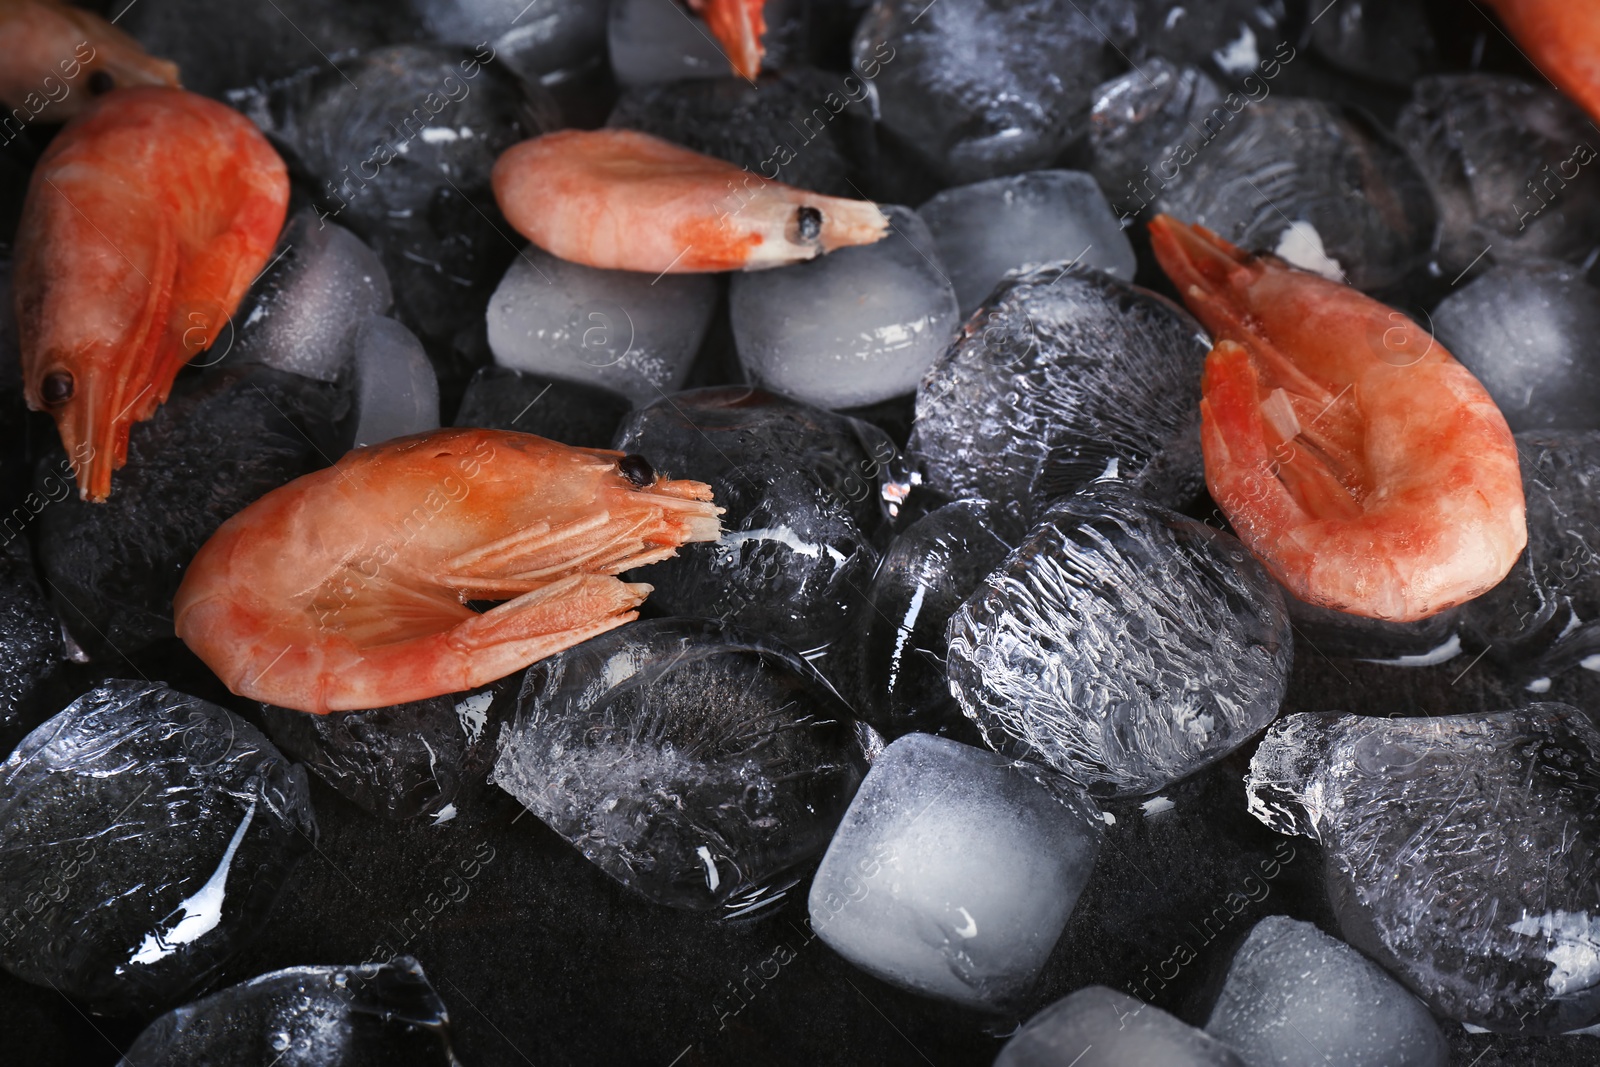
{"x":954,"y":870}
{"x":1099,"y":1027}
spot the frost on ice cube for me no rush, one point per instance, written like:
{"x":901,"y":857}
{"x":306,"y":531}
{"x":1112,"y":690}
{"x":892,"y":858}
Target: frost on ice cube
{"x":1323,"y":186}
{"x":302,"y":315}
{"x":1542,"y":617}
{"x":696,"y":764}
{"x":616,"y":329}
{"x":498,"y":398}
{"x":31,"y":647}
{"x":1460,"y":852}
{"x":925,"y":574}
{"x":1295,"y":995}
{"x":396,"y":392}
{"x":371,"y":1014}
{"x":850,"y":328}
{"x":1125,"y":645}
{"x":1099,"y":1027}
{"x":798,"y":486}
{"x":990,"y":87}
{"x":144,"y":835}
{"x":1501,"y":155}
{"x":1530,"y":332}
{"x":987,"y":229}
{"x":954,"y":871}
{"x":1058,"y":374}
{"x":1144,"y":121}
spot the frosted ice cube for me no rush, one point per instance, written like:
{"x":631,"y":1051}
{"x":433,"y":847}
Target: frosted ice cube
{"x":1099,"y":1027}
{"x":396,"y":391}
{"x":628,"y":332}
{"x":954,"y":871}
{"x":1295,"y":995}
{"x":1124,"y":644}
{"x":988,"y":228}
{"x":302,"y":315}
{"x":1530,"y":332}
{"x":1461,"y":852}
{"x":853,"y":327}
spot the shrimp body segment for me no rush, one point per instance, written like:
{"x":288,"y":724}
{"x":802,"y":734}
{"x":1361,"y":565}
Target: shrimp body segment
{"x":738,"y":25}
{"x":1562,"y":39}
{"x":51,"y":52}
{"x":144,"y":223}
{"x":1358,"y":460}
{"x":348,"y":588}
{"x":628,"y":201}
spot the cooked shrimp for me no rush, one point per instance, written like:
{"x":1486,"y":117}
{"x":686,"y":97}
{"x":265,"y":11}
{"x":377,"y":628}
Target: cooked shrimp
{"x":348,"y":588}
{"x":629,"y":201}
{"x":1366,"y":468}
{"x":55,"y":58}
{"x":739,"y":25}
{"x":1562,"y":40}
{"x":145,"y":222}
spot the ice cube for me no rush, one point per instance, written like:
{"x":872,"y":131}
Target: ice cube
{"x":302,"y":315}
{"x":1530,"y":332}
{"x":1060,"y":373}
{"x":143,"y":837}
{"x":262,"y":427}
{"x":307,"y":1017}
{"x":1295,"y":995}
{"x":696,"y":764}
{"x":1388,"y":42}
{"x":850,"y":328}
{"x":1461,"y":852}
{"x":502,"y":399}
{"x":31,"y":648}
{"x":954,"y":871}
{"x":396,"y":390}
{"x":986,"y":229}
{"x":988,"y":88}
{"x":1144,"y":120}
{"x":1099,"y":1027}
{"x":1330,"y":177}
{"x":926,"y":573}
{"x":545,"y":41}
{"x":1123,"y":644}
{"x":1505,"y":160}
{"x":627,"y":332}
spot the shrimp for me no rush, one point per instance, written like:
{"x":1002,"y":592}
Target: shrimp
{"x":738,"y":24}
{"x":348,"y":588}
{"x":144,"y":223}
{"x":1365,"y":467}
{"x":48,"y":49}
{"x":1562,"y":39}
{"x":629,"y":201}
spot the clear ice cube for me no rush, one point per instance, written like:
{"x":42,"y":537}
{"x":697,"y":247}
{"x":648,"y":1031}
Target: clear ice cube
{"x":627,"y":332}
{"x":1125,"y":645}
{"x":1142,"y":119}
{"x":1099,"y":1027}
{"x":1461,"y":852}
{"x":987,"y":229}
{"x":696,"y":764}
{"x":850,"y":328}
{"x":396,"y":390}
{"x":1295,"y":995}
{"x":144,"y":835}
{"x":954,"y":871}
{"x":548,"y":41}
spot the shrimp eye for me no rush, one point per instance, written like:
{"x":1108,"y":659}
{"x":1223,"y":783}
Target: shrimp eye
{"x":637,"y":470}
{"x":56,"y":388}
{"x":101,"y":82}
{"x":808,"y":221}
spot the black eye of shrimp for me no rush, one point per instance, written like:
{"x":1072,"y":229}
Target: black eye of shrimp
{"x":101,"y":82}
{"x":56,"y":388}
{"x":808,"y":223}
{"x":637,"y":470}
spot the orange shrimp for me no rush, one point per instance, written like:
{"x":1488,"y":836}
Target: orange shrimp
{"x":144,"y":223}
{"x":1562,"y":38}
{"x":55,"y":58}
{"x":628,"y":201}
{"x":738,"y":24}
{"x":348,"y":588}
{"x":1367,"y":469}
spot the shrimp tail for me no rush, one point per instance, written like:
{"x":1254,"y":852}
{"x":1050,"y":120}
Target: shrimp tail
{"x":1207,"y":270}
{"x":738,"y":25}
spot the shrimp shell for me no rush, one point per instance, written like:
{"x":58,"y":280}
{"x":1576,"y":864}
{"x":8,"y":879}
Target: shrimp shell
{"x":1367,"y":469}
{"x":144,"y":224}
{"x":624,"y":200}
{"x":348,"y":588}
{"x":43,"y":41}
{"x":738,"y":25}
